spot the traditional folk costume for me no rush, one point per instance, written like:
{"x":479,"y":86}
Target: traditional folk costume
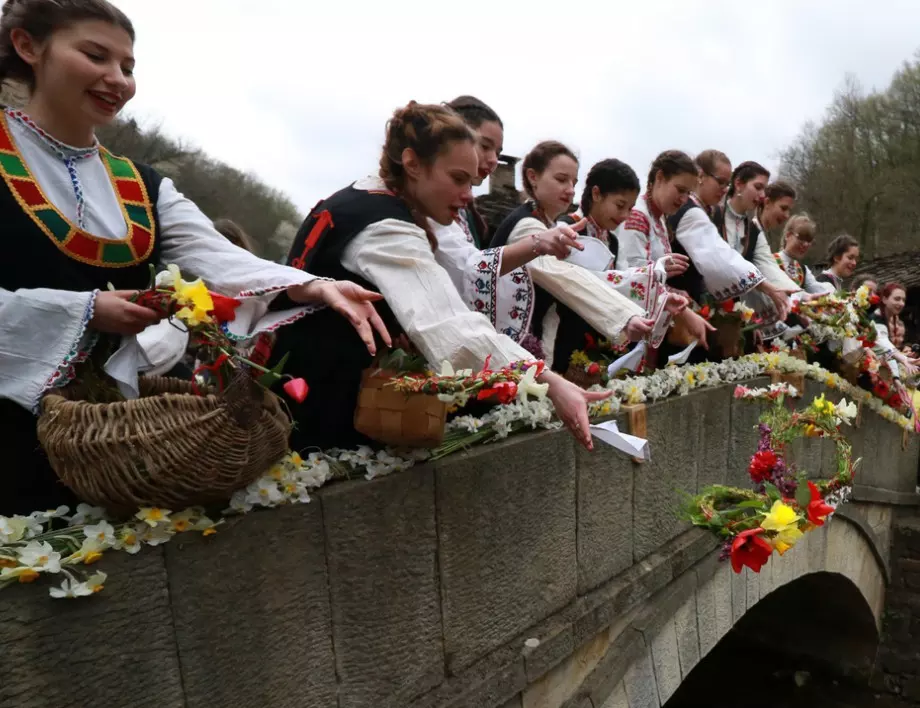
{"x":801,"y":274}
{"x":566,"y":293}
{"x":507,"y":301}
{"x":76,"y":220}
{"x":367,"y":234}
{"x":715,"y":268}
{"x":830,"y":277}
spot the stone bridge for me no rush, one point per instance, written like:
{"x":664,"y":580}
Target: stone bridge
{"x":528,"y":574}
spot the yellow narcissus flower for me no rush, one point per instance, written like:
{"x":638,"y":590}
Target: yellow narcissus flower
{"x":195,"y":294}
{"x":194,"y":316}
{"x":786,"y":539}
{"x":781,"y":517}
{"x":821,"y":406}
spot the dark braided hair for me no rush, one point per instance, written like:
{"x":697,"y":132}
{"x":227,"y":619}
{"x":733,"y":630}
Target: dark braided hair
{"x":610,"y":177}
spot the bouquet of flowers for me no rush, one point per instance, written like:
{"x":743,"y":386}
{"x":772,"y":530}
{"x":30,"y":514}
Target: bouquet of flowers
{"x":783,"y":504}
{"x":588,"y":366}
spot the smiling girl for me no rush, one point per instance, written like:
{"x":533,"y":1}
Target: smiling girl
{"x":550,"y":172}
{"x":76,"y":218}
{"x":798,"y":237}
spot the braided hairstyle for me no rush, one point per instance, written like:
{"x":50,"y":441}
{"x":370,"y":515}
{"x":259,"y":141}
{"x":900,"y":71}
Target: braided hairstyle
{"x":671,"y":163}
{"x":41,"y":18}
{"x":474,"y":111}
{"x":427,"y":130}
{"x":745,"y":172}
{"x":539,"y":158}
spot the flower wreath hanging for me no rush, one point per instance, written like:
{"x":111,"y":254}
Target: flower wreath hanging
{"x":783,"y":504}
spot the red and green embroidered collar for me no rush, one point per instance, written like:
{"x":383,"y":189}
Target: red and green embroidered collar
{"x":75,"y":242}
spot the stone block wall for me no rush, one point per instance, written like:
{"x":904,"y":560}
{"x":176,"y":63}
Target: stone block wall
{"x":422,"y":588}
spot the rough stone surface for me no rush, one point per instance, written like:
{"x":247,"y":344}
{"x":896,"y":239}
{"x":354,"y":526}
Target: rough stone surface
{"x":686,"y":624}
{"x":562,"y":683}
{"x":641,"y":688}
{"x":605,"y":513}
{"x":739,"y":596}
{"x":713,"y":408}
{"x":743,"y":436}
{"x":114,"y":649}
{"x":381,"y":549}
{"x":617,"y":699}
{"x":674,"y":439}
{"x":506,"y":532}
{"x":666,"y":660}
{"x":259,"y":637}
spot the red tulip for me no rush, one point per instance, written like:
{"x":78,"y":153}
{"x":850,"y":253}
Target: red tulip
{"x":594,"y":369}
{"x":818,"y":509}
{"x":705,"y":312}
{"x":224,"y":307}
{"x":762,"y":465}
{"x":504,"y":391}
{"x":296,"y":389}
{"x":749,"y":549}
{"x":728,"y":306}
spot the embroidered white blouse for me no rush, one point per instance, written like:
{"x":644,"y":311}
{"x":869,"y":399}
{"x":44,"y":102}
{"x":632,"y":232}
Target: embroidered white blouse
{"x":506,"y":301}
{"x":644,"y":239}
{"x":397,"y":258}
{"x":579,"y":289}
{"x":43,"y":331}
{"x":801,"y":274}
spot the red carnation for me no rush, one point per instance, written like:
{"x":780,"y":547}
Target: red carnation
{"x":874,"y":299}
{"x":818,"y":510}
{"x":161,"y":303}
{"x":762,"y":464}
{"x":705,"y":312}
{"x":728,"y":306}
{"x":749,"y":549}
{"x":882,"y":389}
{"x":594,"y":369}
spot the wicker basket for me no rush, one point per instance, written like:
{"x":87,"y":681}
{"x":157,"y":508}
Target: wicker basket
{"x":403,"y":420}
{"x":727,"y":338}
{"x":169,"y":448}
{"x":578,"y":376}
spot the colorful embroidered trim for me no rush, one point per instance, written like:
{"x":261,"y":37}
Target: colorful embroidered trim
{"x":75,"y":242}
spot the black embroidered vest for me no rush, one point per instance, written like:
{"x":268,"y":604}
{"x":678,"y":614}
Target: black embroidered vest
{"x":323,"y":347}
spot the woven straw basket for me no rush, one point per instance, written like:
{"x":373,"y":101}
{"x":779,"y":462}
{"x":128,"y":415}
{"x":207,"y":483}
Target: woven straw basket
{"x":169,"y":448}
{"x":399,"y":419}
{"x":577,"y":375}
{"x":728,"y":338}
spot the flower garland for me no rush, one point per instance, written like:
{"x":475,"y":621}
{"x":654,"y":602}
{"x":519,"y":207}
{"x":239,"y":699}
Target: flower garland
{"x":783,"y":505}
{"x":292,"y":480}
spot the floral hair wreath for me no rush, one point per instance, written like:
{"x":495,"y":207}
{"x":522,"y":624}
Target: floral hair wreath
{"x":783,"y":504}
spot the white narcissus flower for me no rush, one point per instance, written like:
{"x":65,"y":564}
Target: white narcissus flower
{"x":153,"y":516}
{"x":13,"y":528}
{"x":87,"y":514}
{"x":102,"y":533}
{"x":40,"y":557}
{"x":847,"y":411}
{"x":169,"y":277}
{"x":70,"y":588}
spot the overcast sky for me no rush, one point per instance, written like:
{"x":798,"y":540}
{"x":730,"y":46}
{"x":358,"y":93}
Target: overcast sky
{"x":299,"y":92}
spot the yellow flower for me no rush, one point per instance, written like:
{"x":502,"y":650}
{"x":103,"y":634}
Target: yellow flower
{"x":194,"y":316}
{"x":209,"y":531}
{"x":296,"y":459}
{"x":579,"y":358}
{"x":780,"y":518}
{"x":690,"y":378}
{"x":786,"y":539}
{"x":195,"y":294}
{"x":811,"y":431}
{"x":822,"y":406}
{"x":91,"y":557}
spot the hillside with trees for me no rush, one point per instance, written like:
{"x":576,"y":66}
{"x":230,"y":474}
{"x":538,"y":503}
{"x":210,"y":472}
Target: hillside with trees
{"x":859,"y":170}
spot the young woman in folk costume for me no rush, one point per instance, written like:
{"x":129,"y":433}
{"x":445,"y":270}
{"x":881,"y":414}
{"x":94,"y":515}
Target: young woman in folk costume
{"x":843,"y":256}
{"x":77,"y":218}
{"x":375,"y":232}
{"x":610,"y":192}
{"x":798,"y":235}
{"x":550,"y":172}
{"x":671,"y":219}
{"x":492,"y":281}
{"x":886,"y":318}
{"x":736,"y":220}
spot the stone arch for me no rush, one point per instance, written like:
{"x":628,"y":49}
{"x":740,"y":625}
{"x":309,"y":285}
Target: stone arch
{"x":661,"y":641}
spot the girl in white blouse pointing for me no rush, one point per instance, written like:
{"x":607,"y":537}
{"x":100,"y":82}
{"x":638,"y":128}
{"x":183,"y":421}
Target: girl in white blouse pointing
{"x":76,"y":218}
{"x":376,"y":233}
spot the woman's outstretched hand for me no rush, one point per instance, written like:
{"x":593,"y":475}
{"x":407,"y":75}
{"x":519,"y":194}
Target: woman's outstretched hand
{"x":351,"y":301}
{"x":571,"y":404}
{"x":638,"y":328}
{"x":558,"y":241}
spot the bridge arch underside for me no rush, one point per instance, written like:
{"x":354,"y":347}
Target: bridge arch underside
{"x":820,"y":604}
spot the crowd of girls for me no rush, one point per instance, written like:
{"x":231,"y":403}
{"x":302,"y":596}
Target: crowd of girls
{"x":401,"y":254}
